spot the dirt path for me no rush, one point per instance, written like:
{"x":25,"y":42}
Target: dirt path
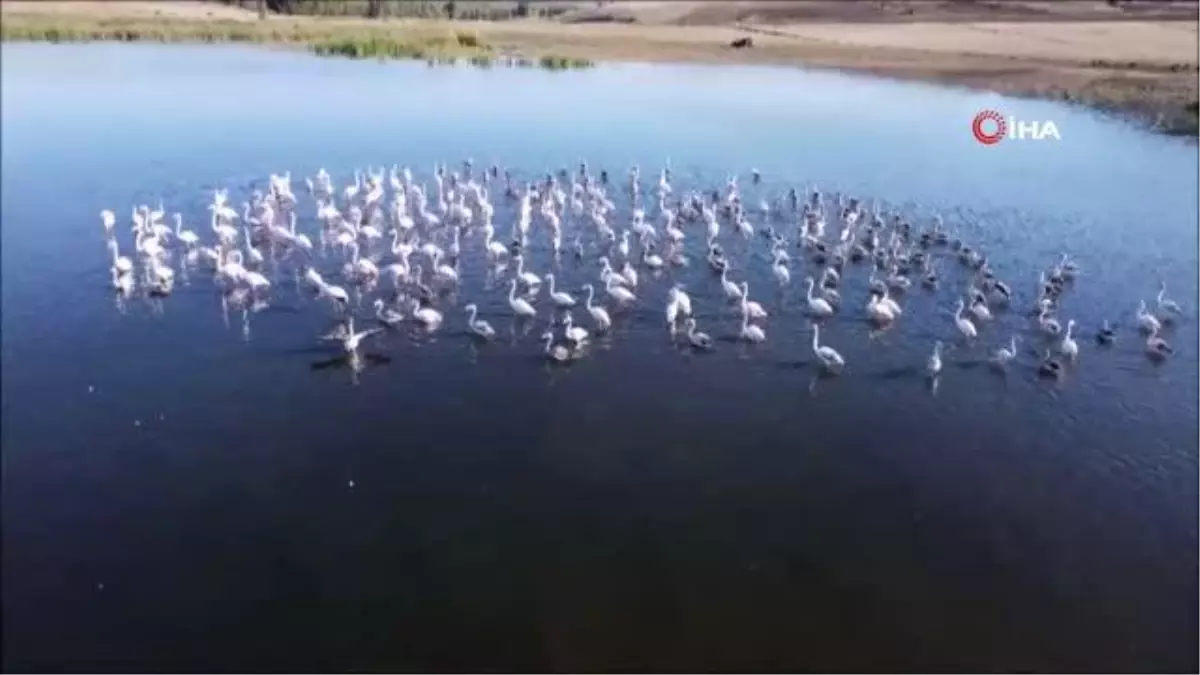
{"x":1163,"y":42}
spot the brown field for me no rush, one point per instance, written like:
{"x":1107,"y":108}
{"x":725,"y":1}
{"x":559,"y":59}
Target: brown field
{"x":1140,"y":57}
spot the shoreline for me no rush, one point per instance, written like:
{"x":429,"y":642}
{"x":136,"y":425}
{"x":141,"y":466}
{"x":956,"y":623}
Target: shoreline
{"x":1144,"y":71}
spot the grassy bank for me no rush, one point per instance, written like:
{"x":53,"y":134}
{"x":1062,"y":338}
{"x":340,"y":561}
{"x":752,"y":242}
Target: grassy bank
{"x":431,"y":43}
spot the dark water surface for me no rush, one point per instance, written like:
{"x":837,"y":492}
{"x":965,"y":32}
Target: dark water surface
{"x":178,"y":497}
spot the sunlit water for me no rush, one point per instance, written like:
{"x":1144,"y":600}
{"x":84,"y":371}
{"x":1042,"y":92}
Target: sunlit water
{"x":177,"y":495}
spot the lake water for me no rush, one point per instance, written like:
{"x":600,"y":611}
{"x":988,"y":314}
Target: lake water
{"x":179,"y":496}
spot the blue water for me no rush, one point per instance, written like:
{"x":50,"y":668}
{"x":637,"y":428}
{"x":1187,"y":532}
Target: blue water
{"x":180,"y":495}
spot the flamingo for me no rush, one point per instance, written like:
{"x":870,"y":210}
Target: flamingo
{"x":561,"y":299}
{"x":1003,"y":355}
{"x":428,"y":317}
{"x":879,"y":312}
{"x":680,"y":298}
{"x":818,"y":307}
{"x":1156,"y":347}
{"x":696,"y":339}
{"x":574,"y":334}
{"x":387,"y":315}
{"x":619,"y":293}
{"x":964,"y":324}
{"x":336,"y":294}
{"x":121,"y":283}
{"x":750,"y":332}
{"x":782,"y":275}
{"x":1148,"y":323}
{"x":753,"y":309}
{"x":732,"y":290}
{"x":479,"y":327}
{"x":828,"y":356}
{"x":934,"y":365}
{"x":556,"y":353}
{"x":1164,"y":304}
{"x":520,"y":306}
{"x":530,"y":279}
{"x":599,"y":314}
{"x":120,"y":263}
{"x":1068,"y":347}
{"x":351,"y":340}
{"x":188,"y":237}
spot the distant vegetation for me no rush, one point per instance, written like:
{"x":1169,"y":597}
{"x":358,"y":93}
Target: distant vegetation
{"x":446,"y":9}
{"x":429,"y":43}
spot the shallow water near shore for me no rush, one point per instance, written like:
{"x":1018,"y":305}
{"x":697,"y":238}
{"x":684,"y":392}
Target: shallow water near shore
{"x":177,"y":495}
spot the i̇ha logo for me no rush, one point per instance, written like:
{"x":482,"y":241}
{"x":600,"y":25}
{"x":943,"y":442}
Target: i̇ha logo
{"x":990,"y":127}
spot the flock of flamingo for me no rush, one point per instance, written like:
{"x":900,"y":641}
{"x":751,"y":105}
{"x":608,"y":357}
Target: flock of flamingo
{"x":385,"y":235}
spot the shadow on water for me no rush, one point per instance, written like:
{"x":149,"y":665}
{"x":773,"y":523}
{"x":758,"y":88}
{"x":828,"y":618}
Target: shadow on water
{"x":348,"y":361}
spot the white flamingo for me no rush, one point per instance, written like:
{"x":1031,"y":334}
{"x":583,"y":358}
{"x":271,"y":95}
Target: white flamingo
{"x":934,"y":365}
{"x":557,"y":353}
{"x":697,"y":339}
{"x":750,"y":332}
{"x":599,"y":314}
{"x":428,"y":317}
{"x":1004,"y":355}
{"x":188,"y":237}
{"x":1068,"y":347}
{"x":1147,"y":322}
{"x":336,"y":294}
{"x":351,"y":340}
{"x":388,"y":315}
{"x":530,"y":279}
{"x":750,"y":307}
{"x":121,"y":283}
{"x":520,"y":306}
{"x":619,"y":293}
{"x":120,"y":263}
{"x":1164,"y":304}
{"x":1156,"y":347}
{"x":828,"y":356}
{"x":879,"y":312}
{"x":964,"y":324}
{"x":478,"y":326}
{"x":732,"y":290}
{"x":574,"y":334}
{"x":561,"y":299}
{"x":782,"y":275}
{"x":680,"y":298}
{"x":818,"y":307}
